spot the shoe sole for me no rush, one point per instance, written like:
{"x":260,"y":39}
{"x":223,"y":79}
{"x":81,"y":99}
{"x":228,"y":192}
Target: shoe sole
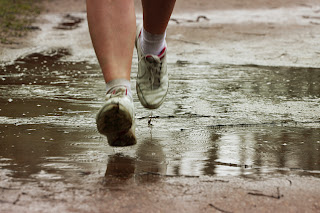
{"x":115,"y":122}
{"x":122,"y":138}
{"x":113,"y":118}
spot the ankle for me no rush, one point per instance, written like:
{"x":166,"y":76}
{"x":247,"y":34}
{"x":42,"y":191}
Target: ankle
{"x":152,"y":44}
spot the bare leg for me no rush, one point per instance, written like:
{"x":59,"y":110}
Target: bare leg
{"x":156,"y":15}
{"x":112,"y":25}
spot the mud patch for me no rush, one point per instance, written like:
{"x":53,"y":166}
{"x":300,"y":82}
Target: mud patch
{"x":44,"y":68}
{"x":69,"y":22}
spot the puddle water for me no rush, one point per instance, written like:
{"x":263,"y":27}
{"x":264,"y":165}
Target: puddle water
{"x":217,"y":120}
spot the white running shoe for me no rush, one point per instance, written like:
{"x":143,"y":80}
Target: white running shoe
{"x":152,"y":79}
{"x":116,"y":118}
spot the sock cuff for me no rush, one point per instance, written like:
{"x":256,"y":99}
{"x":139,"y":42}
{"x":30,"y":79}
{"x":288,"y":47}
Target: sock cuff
{"x":153,"y":38}
{"x":118,"y":82}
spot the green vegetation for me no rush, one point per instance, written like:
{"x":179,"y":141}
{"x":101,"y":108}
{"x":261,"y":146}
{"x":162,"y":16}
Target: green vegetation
{"x":16,"y":17}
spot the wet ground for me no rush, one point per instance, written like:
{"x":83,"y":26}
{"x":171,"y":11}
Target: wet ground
{"x":217,"y":120}
{"x":222,"y":123}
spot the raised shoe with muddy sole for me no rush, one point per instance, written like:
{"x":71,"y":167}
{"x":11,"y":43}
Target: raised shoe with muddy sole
{"x":115,"y":119}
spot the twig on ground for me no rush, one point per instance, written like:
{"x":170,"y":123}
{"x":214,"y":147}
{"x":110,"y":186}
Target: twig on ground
{"x":6,"y":188}
{"x":217,"y":208}
{"x":315,"y":23}
{"x":216,"y":180}
{"x":202,"y":17}
{"x":311,"y":17}
{"x":17,"y":199}
{"x":270,"y":196}
{"x":175,"y":20}
{"x":178,"y":21}
{"x":165,"y":175}
{"x":188,"y":42}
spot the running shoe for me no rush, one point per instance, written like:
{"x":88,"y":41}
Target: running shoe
{"x":152,"y":78}
{"x":116,"y":118}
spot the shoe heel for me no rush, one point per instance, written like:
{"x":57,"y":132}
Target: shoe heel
{"x":113,"y":118}
{"x":122,"y":139}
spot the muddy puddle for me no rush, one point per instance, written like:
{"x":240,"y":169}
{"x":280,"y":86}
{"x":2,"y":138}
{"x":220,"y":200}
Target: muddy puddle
{"x":218,"y":120}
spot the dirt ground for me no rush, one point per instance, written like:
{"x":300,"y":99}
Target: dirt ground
{"x":227,"y":36}
{"x":151,"y":193}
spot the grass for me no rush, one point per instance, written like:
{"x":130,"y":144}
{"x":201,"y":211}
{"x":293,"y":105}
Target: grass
{"x":16,"y":17}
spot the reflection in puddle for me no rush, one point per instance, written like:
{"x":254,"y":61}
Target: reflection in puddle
{"x":266,"y":150}
{"x":217,"y":120}
{"x":43,"y":150}
{"x":49,"y":153}
{"x":246,"y":152}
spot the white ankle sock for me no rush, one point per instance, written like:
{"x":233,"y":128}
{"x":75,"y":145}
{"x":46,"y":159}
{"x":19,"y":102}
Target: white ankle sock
{"x":121,"y":82}
{"x":152,"y":43}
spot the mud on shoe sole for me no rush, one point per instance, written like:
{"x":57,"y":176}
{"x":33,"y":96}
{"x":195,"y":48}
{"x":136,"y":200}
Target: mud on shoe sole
{"x":115,"y":122}
{"x":127,"y":138}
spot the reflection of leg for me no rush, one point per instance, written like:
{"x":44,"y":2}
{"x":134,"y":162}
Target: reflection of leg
{"x":212,"y":155}
{"x":152,"y":79}
{"x":112,"y":30}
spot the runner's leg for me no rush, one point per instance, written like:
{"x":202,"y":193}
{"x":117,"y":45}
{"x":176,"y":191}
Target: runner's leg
{"x":112,"y":26}
{"x":156,"y":15}
{"x":152,"y":78}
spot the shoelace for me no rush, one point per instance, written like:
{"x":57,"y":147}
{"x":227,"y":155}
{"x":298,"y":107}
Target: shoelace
{"x":154,"y":67}
{"x":155,"y":75}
